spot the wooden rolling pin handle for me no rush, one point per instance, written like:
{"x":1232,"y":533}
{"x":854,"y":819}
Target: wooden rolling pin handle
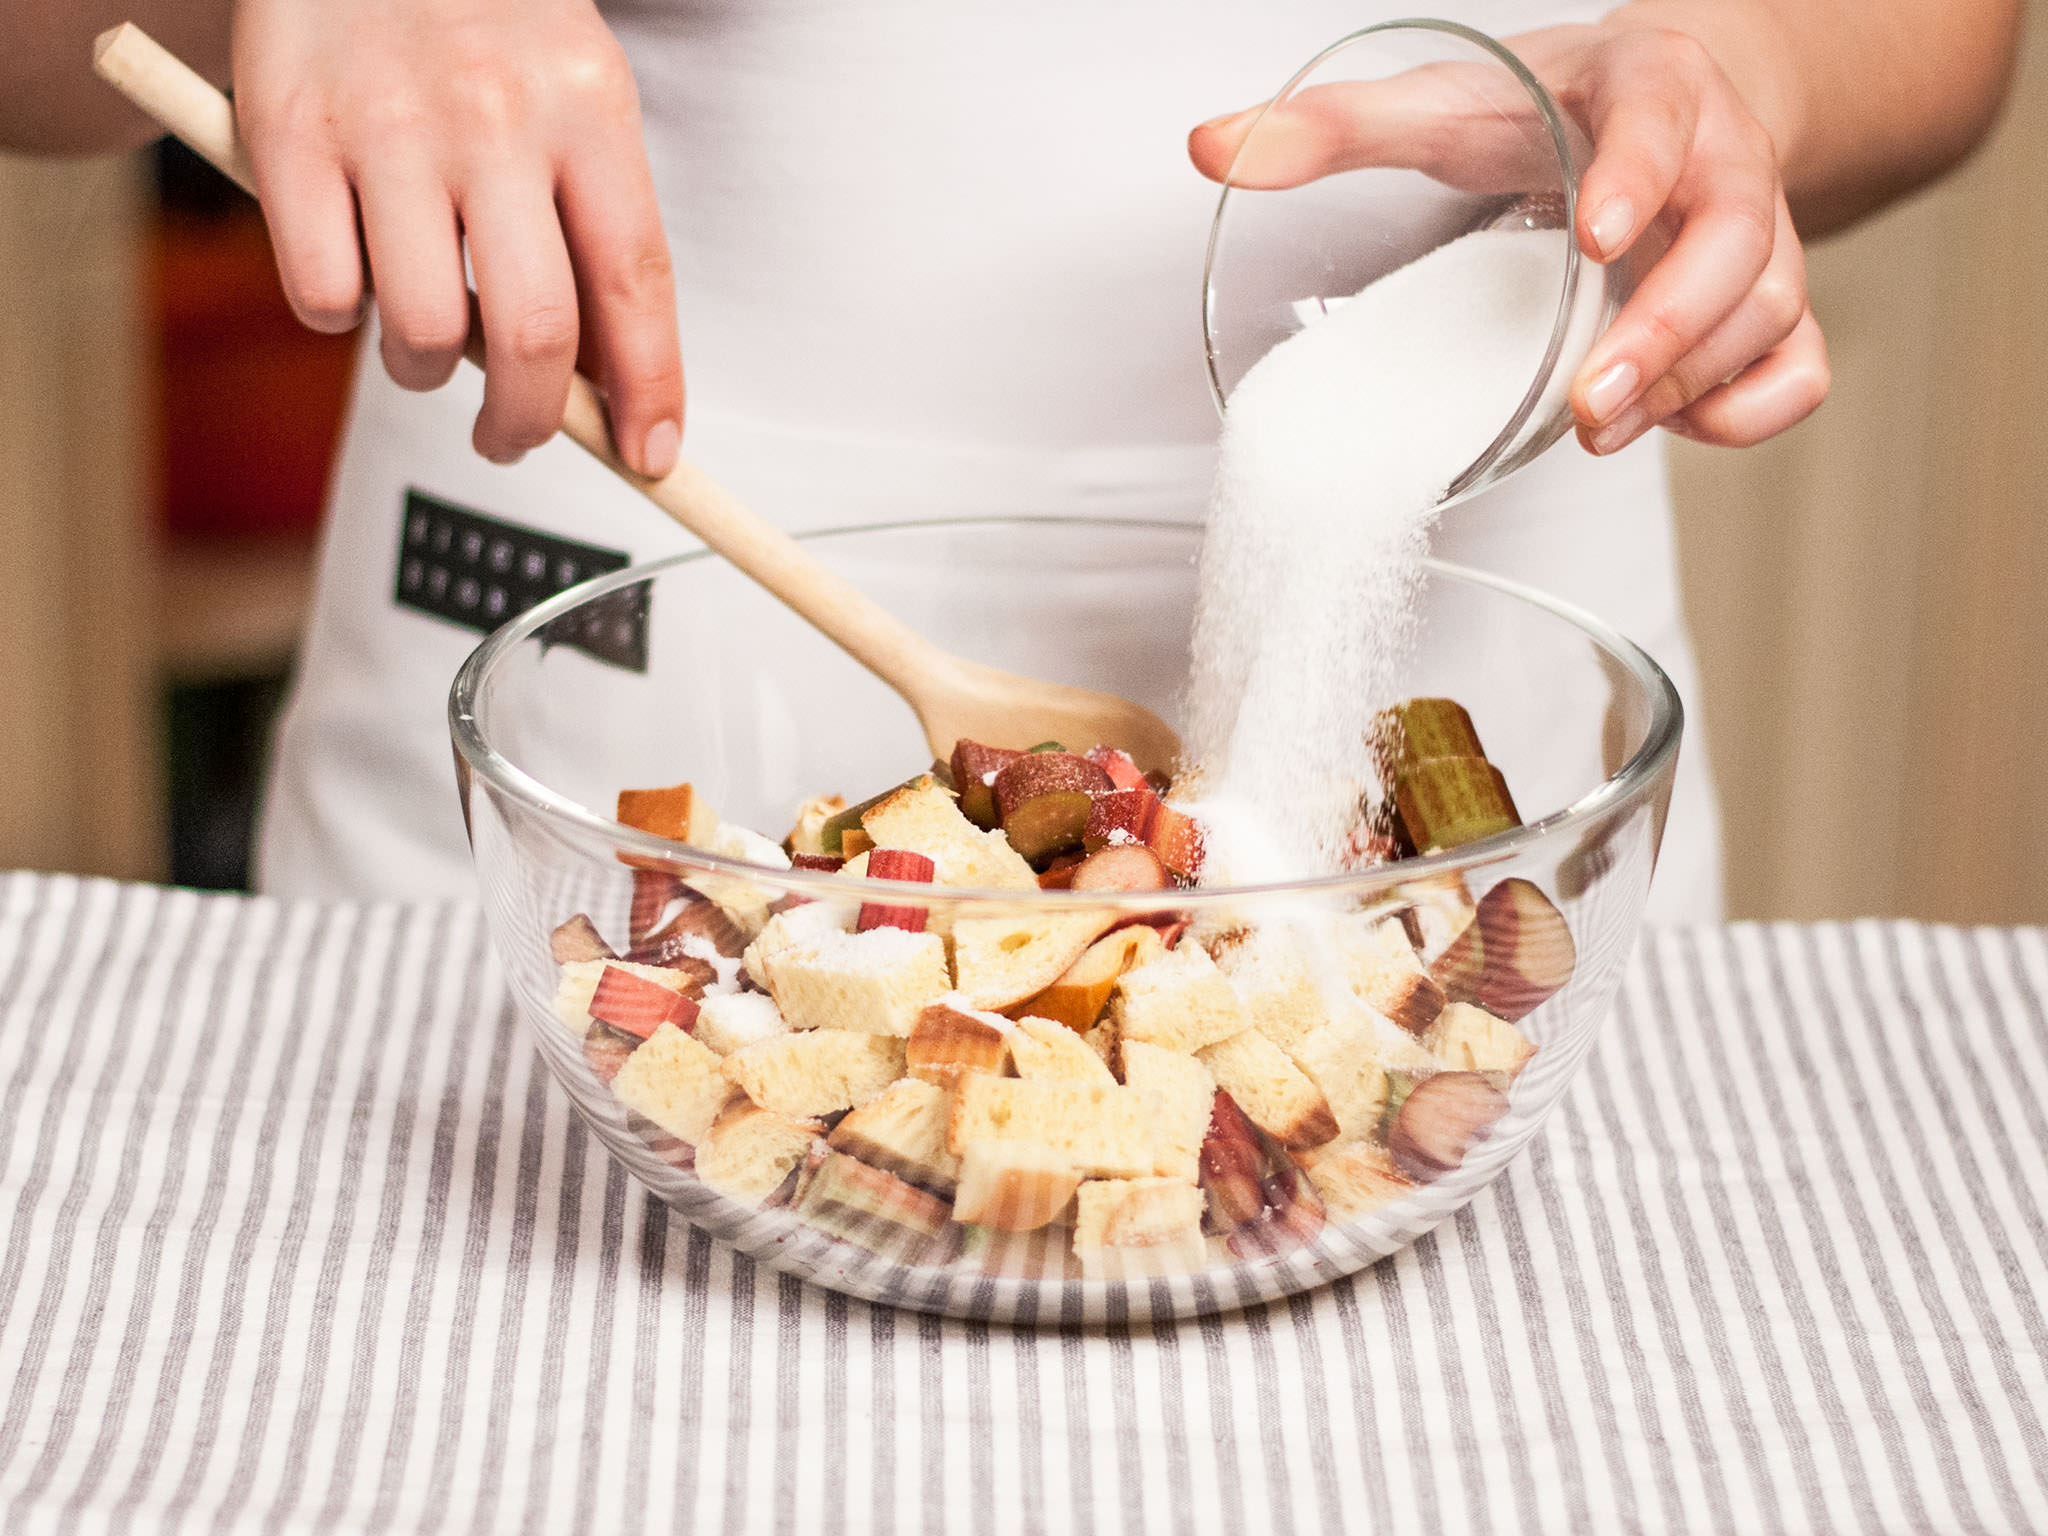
{"x":189,"y":106}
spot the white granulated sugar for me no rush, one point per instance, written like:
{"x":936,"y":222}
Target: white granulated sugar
{"x":1336,"y":448}
{"x":725,"y":969}
{"x":733,"y":1021}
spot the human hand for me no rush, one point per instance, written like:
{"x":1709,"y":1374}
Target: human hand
{"x":397,"y":132}
{"x":1718,"y":342}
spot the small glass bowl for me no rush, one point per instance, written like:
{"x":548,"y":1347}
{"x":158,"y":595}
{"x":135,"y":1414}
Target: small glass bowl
{"x":759,"y":712}
{"x":1386,"y":145}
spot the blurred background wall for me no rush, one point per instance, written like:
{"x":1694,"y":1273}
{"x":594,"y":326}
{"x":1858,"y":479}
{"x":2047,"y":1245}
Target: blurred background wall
{"x":1870,"y":592}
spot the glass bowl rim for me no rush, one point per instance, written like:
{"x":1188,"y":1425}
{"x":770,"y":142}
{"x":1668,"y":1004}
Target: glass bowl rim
{"x":1628,"y":784}
{"x":1472,"y":476}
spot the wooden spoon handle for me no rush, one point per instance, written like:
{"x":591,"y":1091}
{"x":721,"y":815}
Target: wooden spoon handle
{"x":187,"y":105}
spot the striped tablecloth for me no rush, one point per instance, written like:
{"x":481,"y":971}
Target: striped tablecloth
{"x":300,"y":1237}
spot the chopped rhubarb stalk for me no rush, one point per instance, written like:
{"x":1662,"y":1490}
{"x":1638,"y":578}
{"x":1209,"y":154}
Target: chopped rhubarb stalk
{"x":1177,"y":839}
{"x":1258,"y":1198}
{"x":1447,"y":802}
{"x":895,"y":864}
{"x":606,"y":1049}
{"x":1123,"y":773}
{"x":639,"y":1006}
{"x":1059,"y":874}
{"x":654,"y":891}
{"x":1121,"y":869}
{"x":578,"y":939}
{"x":709,"y":922}
{"x":1439,"y":1120}
{"x":1044,"y":798}
{"x":824,"y":862}
{"x":1137,"y":816}
{"x":1513,"y":956}
{"x":1170,"y":930}
{"x":1417,"y":729}
{"x":682,"y":953}
{"x":975,"y":767}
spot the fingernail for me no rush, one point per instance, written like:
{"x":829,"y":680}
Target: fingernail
{"x":659,"y":455}
{"x":1612,"y":224}
{"x":1612,"y":390}
{"x":1230,"y":117}
{"x":506,"y":460}
{"x":1620,"y":435}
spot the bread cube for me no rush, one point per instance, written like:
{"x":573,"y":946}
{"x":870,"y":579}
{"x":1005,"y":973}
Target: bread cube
{"x":1270,"y":970}
{"x":1000,"y":961}
{"x":815,"y":1072}
{"x":676,"y":1081}
{"x":807,"y":836}
{"x":902,"y":1130}
{"x":1272,"y":1091}
{"x":876,"y":982}
{"x":1017,"y":1186}
{"x":1180,"y":1002}
{"x":1465,"y":1037}
{"x":749,"y":1152}
{"x":1355,"y":1177}
{"x":729,"y":1022}
{"x":1343,"y":1060}
{"x":950,"y":1038}
{"x":923,"y":817}
{"x":1181,"y":1090}
{"x":740,"y":899}
{"x":1102,"y":1129}
{"x":1388,"y":976}
{"x":1042,"y":1049}
{"x":793,"y":928}
{"x":1128,"y":1229}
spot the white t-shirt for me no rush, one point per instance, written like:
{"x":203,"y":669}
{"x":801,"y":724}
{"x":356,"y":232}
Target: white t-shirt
{"x":932,"y":260}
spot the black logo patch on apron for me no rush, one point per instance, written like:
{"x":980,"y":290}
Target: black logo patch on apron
{"x":458,"y":564}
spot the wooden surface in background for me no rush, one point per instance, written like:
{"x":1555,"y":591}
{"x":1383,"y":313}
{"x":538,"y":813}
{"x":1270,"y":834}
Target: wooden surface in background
{"x":80,"y":754}
{"x":1870,"y":592}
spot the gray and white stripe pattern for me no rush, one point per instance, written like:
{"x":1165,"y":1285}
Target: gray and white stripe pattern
{"x":296,"y":1234}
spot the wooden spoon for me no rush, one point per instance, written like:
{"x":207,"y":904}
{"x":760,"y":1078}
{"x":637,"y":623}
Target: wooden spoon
{"x":952,"y":697}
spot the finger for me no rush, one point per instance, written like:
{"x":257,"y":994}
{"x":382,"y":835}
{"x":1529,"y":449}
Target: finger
{"x":1644,"y":109}
{"x":527,"y":295}
{"x":626,"y":297}
{"x":1779,"y":390}
{"x":1767,"y":315}
{"x":1727,"y":202}
{"x":311,"y":212}
{"x":415,"y":255}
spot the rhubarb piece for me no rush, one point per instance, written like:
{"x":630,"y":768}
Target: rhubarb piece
{"x":1058,"y":874}
{"x":578,"y":939}
{"x":1046,"y":746}
{"x":1000,"y":961}
{"x":1123,"y":772}
{"x":675,"y":1081}
{"x":736,"y":1020}
{"x":1015,"y":1186}
{"x":638,"y":1006}
{"x":579,"y":985}
{"x":1101,"y":1128}
{"x":869,"y":1208}
{"x":1043,"y":799}
{"x":654,"y":892}
{"x":749,"y":1153}
{"x":950,"y":1039}
{"x":1179,"y":1001}
{"x":1052,"y":1052}
{"x":1181,"y":1091}
{"x":1401,"y":1081}
{"x":1126,"y":816}
{"x":807,"y":835}
{"x":1356,"y":1177}
{"x":824,"y":863}
{"x":677,"y":812}
{"x":1421,"y":728}
{"x":975,"y":767}
{"x":895,"y":864}
{"x":1386,"y":975}
{"x":606,"y":1049}
{"x":1082,"y":991}
{"x":923,"y":818}
{"x":902,"y":1130}
{"x":1470,"y":1039}
{"x":1258,"y":1198}
{"x":1439,"y":1120}
{"x":876,"y":982}
{"x":1271,"y":1090}
{"x":1447,"y":802}
{"x":1514,"y":955}
{"x":810,"y":1075}
{"x":714,"y":931}
{"x":1121,"y":869}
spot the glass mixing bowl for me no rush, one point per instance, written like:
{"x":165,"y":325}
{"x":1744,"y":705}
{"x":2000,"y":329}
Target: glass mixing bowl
{"x":741,"y":698}
{"x":1388,"y":144}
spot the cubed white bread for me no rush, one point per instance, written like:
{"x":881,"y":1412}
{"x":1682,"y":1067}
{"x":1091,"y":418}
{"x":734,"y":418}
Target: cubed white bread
{"x":1040,"y":1048}
{"x":1355,"y":1177}
{"x":1465,"y":1037}
{"x":1387,"y":975}
{"x":1102,"y":1129}
{"x":1017,"y":1186}
{"x":1182,"y":1092}
{"x":1270,"y":970}
{"x":739,"y":898}
{"x":749,"y":1152}
{"x":579,"y":985}
{"x":876,"y":982}
{"x":676,"y":1081}
{"x":950,"y":1038}
{"x":1102,"y":1041}
{"x":793,"y":928}
{"x":817,"y":1072}
{"x":1273,"y":1092}
{"x":738,"y":1019}
{"x":999,"y":961}
{"x":923,"y":817}
{"x":807,"y":836}
{"x":902,"y":1130}
{"x":1343,"y":1060}
{"x":1136,"y":1213}
{"x":1180,"y":1001}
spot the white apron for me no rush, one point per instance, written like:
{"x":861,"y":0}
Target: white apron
{"x":932,"y":260}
